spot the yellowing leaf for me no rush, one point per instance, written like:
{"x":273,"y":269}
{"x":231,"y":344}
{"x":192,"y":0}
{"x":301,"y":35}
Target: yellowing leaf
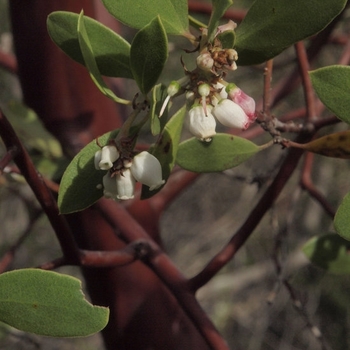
{"x":335,"y":145}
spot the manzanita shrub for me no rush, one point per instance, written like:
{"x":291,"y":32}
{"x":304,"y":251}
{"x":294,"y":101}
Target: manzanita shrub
{"x":216,"y":50}
{"x":203,"y":95}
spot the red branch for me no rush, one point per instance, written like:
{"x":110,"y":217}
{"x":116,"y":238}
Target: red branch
{"x":304,"y":68}
{"x":41,"y":191}
{"x":267,"y":88}
{"x":118,"y":217}
{"x":92,"y":258}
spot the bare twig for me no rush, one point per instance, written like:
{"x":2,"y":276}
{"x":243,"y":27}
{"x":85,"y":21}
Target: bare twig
{"x":307,"y":184}
{"x":267,"y":88}
{"x":304,"y":314}
{"x":345,"y":57}
{"x":279,"y":263}
{"x":304,"y":68}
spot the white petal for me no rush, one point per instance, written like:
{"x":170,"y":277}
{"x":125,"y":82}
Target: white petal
{"x":201,"y":125}
{"x":221,"y":87}
{"x":125,"y":185}
{"x":231,"y":115}
{"x":146,"y":169}
{"x":97,"y":159}
{"x":110,"y":189}
{"x":109,"y":155}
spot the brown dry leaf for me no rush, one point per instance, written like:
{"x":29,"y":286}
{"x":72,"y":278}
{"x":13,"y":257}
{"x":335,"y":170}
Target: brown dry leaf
{"x":335,"y":145}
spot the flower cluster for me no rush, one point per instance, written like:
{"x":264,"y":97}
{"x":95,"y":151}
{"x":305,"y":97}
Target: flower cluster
{"x":230,"y":106}
{"x":119,"y":181}
{"x":209,"y":96}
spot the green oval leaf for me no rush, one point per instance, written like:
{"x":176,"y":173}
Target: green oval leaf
{"x":148,"y":54}
{"x":78,"y":185}
{"x":111,"y":50}
{"x":48,"y":303}
{"x":139,"y":13}
{"x":342,"y":218}
{"x":332,"y":85}
{"x":90,"y":62}
{"x":330,"y":252}
{"x":223,"y":152}
{"x":31,"y":130}
{"x":271,"y":26}
{"x":166,"y":148}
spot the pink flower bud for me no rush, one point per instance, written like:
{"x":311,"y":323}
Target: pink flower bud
{"x":246,"y":102}
{"x":230,"y":25}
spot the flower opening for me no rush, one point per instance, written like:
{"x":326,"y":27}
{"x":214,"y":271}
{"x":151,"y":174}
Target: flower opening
{"x":146,"y":169}
{"x":202,"y":125}
{"x":105,"y":157}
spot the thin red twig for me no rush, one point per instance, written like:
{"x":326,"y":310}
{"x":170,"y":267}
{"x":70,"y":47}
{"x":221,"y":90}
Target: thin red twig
{"x":304,"y":68}
{"x":307,"y":184}
{"x":267,"y":88}
{"x":345,"y":57}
